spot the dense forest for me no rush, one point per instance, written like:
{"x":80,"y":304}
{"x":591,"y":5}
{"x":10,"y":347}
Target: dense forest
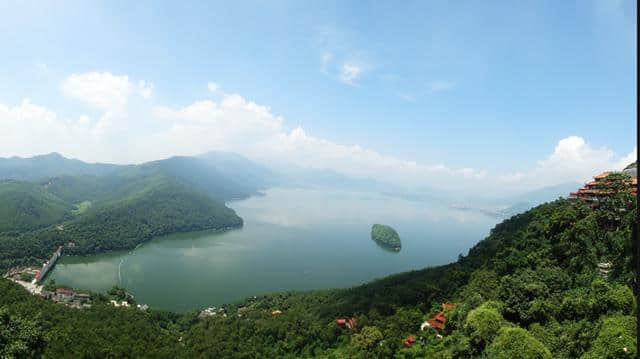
{"x":27,"y":206}
{"x":106,"y":214}
{"x":553,"y":282}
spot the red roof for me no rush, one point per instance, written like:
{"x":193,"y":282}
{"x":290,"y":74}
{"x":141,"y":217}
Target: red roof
{"x":64,"y":291}
{"x":602,"y":175}
{"x":437,"y":322}
{"x":409,"y":341}
{"x":341,"y":322}
{"x":439,"y":317}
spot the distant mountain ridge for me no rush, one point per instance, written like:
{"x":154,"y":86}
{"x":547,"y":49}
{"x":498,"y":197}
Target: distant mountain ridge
{"x":49,"y":165}
{"x":223,"y":175}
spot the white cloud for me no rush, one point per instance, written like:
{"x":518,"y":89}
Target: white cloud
{"x":145,"y":89}
{"x":29,"y":129}
{"x":326,"y":59}
{"x":626,"y":160}
{"x":340,"y":58}
{"x":135,"y":132}
{"x":572,"y":159}
{"x":349,"y":73}
{"x":104,"y":90}
{"x":99,"y":89}
{"x":439,"y":86}
{"x":213,"y":87}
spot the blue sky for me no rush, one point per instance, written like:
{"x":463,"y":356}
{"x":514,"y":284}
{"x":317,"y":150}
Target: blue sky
{"x":491,"y":86}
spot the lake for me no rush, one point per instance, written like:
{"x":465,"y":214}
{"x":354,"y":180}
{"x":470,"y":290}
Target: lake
{"x":292,"y":239}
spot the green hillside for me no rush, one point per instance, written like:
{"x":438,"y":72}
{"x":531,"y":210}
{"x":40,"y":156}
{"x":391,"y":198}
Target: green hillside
{"x":49,"y":165}
{"x":531,"y":289}
{"x":127,"y":208}
{"x":155,"y":210}
{"x":26,"y":206}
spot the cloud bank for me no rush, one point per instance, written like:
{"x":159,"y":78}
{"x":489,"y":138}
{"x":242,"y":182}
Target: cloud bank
{"x":131,"y":128}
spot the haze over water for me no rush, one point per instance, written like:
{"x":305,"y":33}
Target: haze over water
{"x":292,"y":239}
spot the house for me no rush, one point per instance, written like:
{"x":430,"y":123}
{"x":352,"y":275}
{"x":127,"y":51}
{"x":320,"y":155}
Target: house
{"x":64,"y":294}
{"x":82,"y":297}
{"x":437,"y":322}
{"x":593,"y":192}
{"x":408,"y":342}
{"x":349,"y":323}
{"x":47,"y":294}
{"x":275,"y":312}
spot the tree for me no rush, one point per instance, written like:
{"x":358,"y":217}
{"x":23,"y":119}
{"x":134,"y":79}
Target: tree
{"x":482,"y":326}
{"x":516,"y":343}
{"x":367,"y":338}
{"x":616,"y":339}
{"x":19,"y":338}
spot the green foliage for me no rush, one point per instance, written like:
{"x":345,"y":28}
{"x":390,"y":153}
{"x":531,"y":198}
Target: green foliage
{"x":516,"y":343}
{"x":133,"y":212}
{"x":26,"y":277}
{"x":385,"y":235}
{"x":484,"y":283}
{"x":26,"y":206}
{"x":367,"y":338}
{"x":482,"y":326}
{"x":19,"y":337}
{"x":616,"y":339}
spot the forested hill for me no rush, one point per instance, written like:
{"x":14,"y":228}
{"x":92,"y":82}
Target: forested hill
{"x":224,"y":176}
{"x":90,"y":214}
{"x":26,"y":206}
{"x":49,"y":165}
{"x":534,"y":288}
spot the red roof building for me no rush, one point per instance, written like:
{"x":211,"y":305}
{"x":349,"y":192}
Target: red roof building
{"x":409,"y":341}
{"x":64,"y":292}
{"x":594,"y":191}
{"x":349,"y":323}
{"x":437,"y":322}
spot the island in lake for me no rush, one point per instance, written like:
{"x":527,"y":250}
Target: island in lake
{"x":386,"y":236}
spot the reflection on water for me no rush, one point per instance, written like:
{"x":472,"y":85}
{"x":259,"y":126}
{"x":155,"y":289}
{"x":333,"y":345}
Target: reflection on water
{"x":387,"y":248}
{"x":293,"y":239}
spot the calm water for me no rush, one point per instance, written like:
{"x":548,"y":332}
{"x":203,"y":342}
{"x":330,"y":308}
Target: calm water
{"x":292,"y":240}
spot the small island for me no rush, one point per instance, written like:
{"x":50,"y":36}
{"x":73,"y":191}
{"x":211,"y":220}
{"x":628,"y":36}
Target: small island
{"x":386,"y":236}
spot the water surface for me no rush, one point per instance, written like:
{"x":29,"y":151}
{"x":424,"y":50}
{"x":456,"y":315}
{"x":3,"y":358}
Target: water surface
{"x":292,"y":239}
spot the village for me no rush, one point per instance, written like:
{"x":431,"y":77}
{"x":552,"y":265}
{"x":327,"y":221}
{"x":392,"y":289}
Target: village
{"x":32,"y":279}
